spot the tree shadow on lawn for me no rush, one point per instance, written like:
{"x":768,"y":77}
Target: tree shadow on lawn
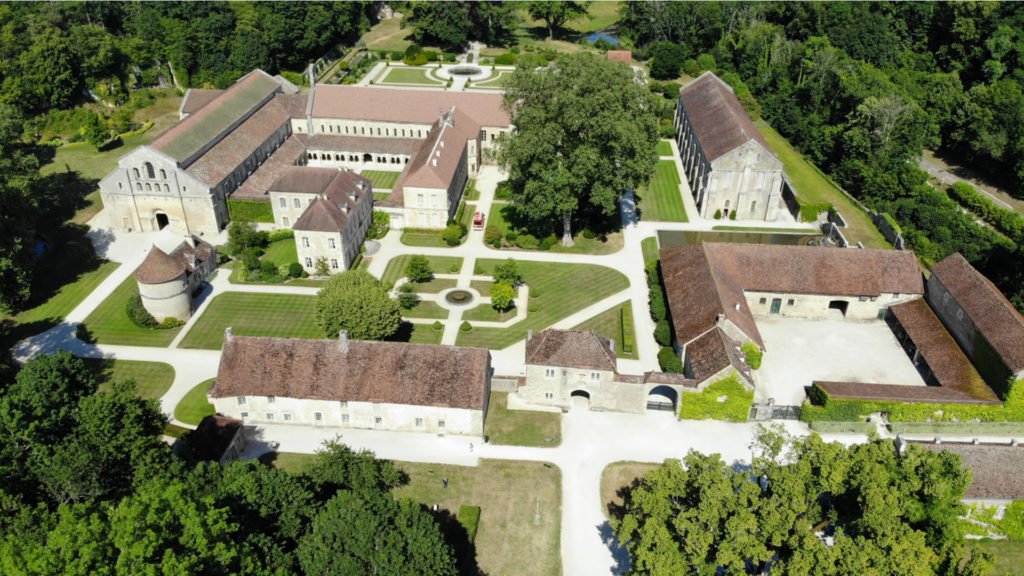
{"x":456,"y":536}
{"x":587,"y":219}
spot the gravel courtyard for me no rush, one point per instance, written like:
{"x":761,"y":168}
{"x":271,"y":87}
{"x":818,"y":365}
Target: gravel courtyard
{"x":799,"y":351}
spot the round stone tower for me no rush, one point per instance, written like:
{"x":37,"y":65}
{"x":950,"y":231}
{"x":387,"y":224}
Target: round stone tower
{"x":163,"y":286}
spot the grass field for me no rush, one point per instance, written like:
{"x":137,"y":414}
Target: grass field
{"x":402,"y":76}
{"x":109,"y":322}
{"x":250,"y":210}
{"x":609,"y":325}
{"x":281,"y":253}
{"x":253,"y":314}
{"x":486,"y":313}
{"x":429,"y":310}
{"x":438,"y":264}
{"x":616,"y":480}
{"x":482,"y":286}
{"x":1009,"y":556}
{"x":649,"y":247}
{"x":152,"y":379}
{"x":556,"y":290}
{"x":194,"y":405}
{"x":521,"y":427}
{"x":436,"y":285}
{"x":502,"y":216}
{"x":664,"y":148}
{"x":423,"y":238}
{"x":812,"y":186}
{"x":425,"y":334}
{"x":765,"y":229}
{"x":381,"y":179}
{"x":661,"y":199}
{"x":496,"y":81}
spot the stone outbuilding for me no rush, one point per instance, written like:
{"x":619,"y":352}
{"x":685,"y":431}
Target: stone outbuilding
{"x":168,"y":280}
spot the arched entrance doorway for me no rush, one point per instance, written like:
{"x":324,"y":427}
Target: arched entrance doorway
{"x":580,"y":399}
{"x":840,"y":305}
{"x":662,"y":399}
{"x":367,"y":157}
{"x":162,"y":221}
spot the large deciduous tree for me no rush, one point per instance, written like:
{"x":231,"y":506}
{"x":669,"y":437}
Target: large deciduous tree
{"x":357,"y":302}
{"x":556,"y":14}
{"x":585,"y":131}
{"x":453,"y":24}
{"x":885,"y":513}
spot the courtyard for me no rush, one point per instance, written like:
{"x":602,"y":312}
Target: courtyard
{"x":799,"y":351}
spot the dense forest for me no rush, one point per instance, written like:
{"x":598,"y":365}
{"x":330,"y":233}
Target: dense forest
{"x":862,"y":88}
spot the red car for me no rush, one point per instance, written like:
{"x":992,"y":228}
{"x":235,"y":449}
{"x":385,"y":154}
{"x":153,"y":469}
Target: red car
{"x":478,"y":221}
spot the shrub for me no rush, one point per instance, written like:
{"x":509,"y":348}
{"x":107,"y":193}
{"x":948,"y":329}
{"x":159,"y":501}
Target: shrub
{"x":707,"y":404}
{"x":418,"y":269}
{"x":138,"y":313}
{"x":1012,"y":524}
{"x":502,"y":296}
{"x":503,"y":191}
{"x":469,"y":517}
{"x":718,"y":214}
{"x":437,"y":326}
{"x":251,"y":258}
{"x":465,"y":326}
{"x":511,"y":235}
{"x":663,"y":332}
{"x":589,"y":234}
{"x":453,"y":234}
{"x":508,"y":273}
{"x":732,"y":215}
{"x":396,"y":55}
{"x":492,"y":236}
{"x":280,"y":234}
{"x":506,"y":59}
{"x":432,"y":55}
{"x":242,"y":235}
{"x":1006,"y":221}
{"x":407,"y":297}
{"x":414,"y":55}
{"x":752,"y":353}
{"x":295,"y":270}
{"x":322,"y":269}
{"x":548,"y":242}
{"x":379,"y":226}
{"x":691,"y":68}
{"x":170,"y":322}
{"x":527,"y":242}
{"x":268,"y":269}
{"x":670,"y":361}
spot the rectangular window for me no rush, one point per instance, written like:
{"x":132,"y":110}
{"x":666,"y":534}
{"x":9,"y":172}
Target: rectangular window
{"x":271,"y":399}
{"x":305,"y":242}
{"x":762,"y":301}
{"x":790,"y":302}
{"x":318,"y":416}
{"x":595,"y":376}
{"x":287,"y":417}
{"x":377,"y":419}
{"x":241,"y":400}
{"x":440,"y":423}
{"x":334,"y":263}
{"x":309,"y":262}
{"x":284,"y":220}
{"x":753,"y":206}
{"x":549,"y":372}
{"x":270,"y":415}
{"x":344,"y":418}
{"x":419,"y":422}
{"x":283,"y":202}
{"x":549,"y":395}
{"x":245,"y":415}
{"x":343,"y":404}
{"x":419,"y":200}
{"x":331,"y":243}
{"x":297,"y":203}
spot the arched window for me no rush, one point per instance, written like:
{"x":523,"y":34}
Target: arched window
{"x":148,"y":187}
{"x":138,"y":186}
{"x":136,"y":171}
{"x":167,"y":188}
{"x":150,"y":173}
{"x":163,"y":175}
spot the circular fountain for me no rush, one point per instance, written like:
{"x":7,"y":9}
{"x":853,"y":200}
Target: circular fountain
{"x":459,"y":297}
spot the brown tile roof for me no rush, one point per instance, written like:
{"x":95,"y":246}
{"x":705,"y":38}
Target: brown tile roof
{"x":669,"y":378}
{"x":232,"y":150}
{"x":402,"y":105}
{"x":196,"y":98}
{"x":159,"y":267}
{"x":620,"y":56}
{"x":304,"y":179}
{"x":570,"y":349}
{"x":290,"y":153}
{"x":707,"y":280}
{"x":717,"y":117}
{"x":437,"y":161}
{"x":947,"y":361}
{"x":361,"y":144}
{"x":330,"y":210}
{"x":212,"y":437}
{"x":712,"y":353}
{"x":388,"y":372}
{"x":990,"y":311}
{"x":186,"y":138}
{"x":898,"y":393}
{"x":996,"y":468}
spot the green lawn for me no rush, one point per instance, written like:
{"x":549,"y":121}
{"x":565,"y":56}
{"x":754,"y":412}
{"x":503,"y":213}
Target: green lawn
{"x":486,"y":313}
{"x":254,"y":314}
{"x":425,"y":334}
{"x":152,"y":379}
{"x":1009,"y":556}
{"x":438,"y":264}
{"x":662,"y":199}
{"x":50,"y":312}
{"x":109,"y":322}
{"x":381,"y":179}
{"x":616,"y":481}
{"x":766,"y":229}
{"x":609,"y":325}
{"x":813,"y":187}
{"x":496,"y":81}
{"x":436,"y":285}
{"x":557,"y":290}
{"x":649,"y":247}
{"x":283,"y":252}
{"x":250,"y":210}
{"x":482,"y":286}
{"x":502,"y":216}
{"x":423,"y":237}
{"x":194,"y":405}
{"x":401,"y":76}
{"x":521,"y":427}
{"x":664,"y":148}
{"x":426,"y":310}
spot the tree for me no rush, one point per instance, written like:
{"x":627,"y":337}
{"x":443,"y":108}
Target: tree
{"x":339,"y":467}
{"x":556,"y":14}
{"x":407,"y":297}
{"x":418,"y":269}
{"x":440,"y":23}
{"x":321,"y":268}
{"x":242,"y":237}
{"x":372,"y":533}
{"x":503,"y":296}
{"x":508,"y":273}
{"x":585,"y":131}
{"x":667,"y":60}
{"x":357,"y":302}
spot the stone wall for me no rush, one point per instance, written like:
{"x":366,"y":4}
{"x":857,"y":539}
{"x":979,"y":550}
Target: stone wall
{"x":815,"y":306}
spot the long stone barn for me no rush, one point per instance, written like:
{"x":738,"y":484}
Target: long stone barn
{"x":353,"y":384}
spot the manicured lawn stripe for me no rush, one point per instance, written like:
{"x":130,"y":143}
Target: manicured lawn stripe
{"x":609,"y":325}
{"x":152,"y":379}
{"x":649,"y":247}
{"x":1009,"y":556}
{"x":67,"y":297}
{"x":436,"y":285}
{"x":426,"y":310}
{"x":661,"y":199}
{"x":482,"y":286}
{"x":664,"y":148}
{"x":109,"y":322}
{"x":438,"y":264}
{"x":396,"y":75}
{"x":254,"y":314}
{"x":381,"y":179}
{"x":560,"y":290}
{"x":486,"y":313}
{"x":425,"y":334}
{"x":194,"y":405}
{"x":812,"y":186}
{"x":282,"y":252}
{"x":423,"y":238}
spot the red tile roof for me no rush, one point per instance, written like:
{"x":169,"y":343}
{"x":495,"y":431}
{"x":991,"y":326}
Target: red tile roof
{"x":159,"y":267}
{"x":290,"y":153}
{"x":713,"y":352}
{"x":387,"y":372}
{"x":570,"y":349}
{"x":439,"y":157}
{"x":401,"y":105}
{"x":990,"y":311}
{"x":717,"y":117}
{"x":232,"y":150}
{"x":620,"y":56}
{"x":335,"y":200}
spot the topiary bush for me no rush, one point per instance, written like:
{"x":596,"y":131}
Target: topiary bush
{"x":663,"y":332}
{"x":418,"y":269}
{"x":718,"y":214}
{"x":453,"y":234}
{"x":281,"y":234}
{"x":732,"y":215}
{"x":295,"y":270}
{"x":407,"y":297}
{"x":138,"y":313}
{"x":465,"y":326}
{"x":670,"y":361}
{"x":437,"y":326}
{"x":492,"y":236}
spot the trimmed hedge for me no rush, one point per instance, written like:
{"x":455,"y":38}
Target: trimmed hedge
{"x":281,"y":234}
{"x":822,"y":407}
{"x":469,"y":517}
{"x":250,"y":210}
{"x":670,"y":361}
{"x":844,"y":427}
{"x":959,"y":428}
{"x":138,"y":313}
{"x":626,"y":326}
{"x":705,"y":405}
{"x":1006,"y":221}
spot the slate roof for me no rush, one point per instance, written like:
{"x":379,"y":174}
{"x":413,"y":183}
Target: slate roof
{"x":291,"y":152}
{"x":949,"y":364}
{"x":196,"y":98}
{"x":387,"y":372}
{"x":226,"y":155}
{"x":990,"y":311}
{"x":186,"y":138}
{"x":717,"y":117}
{"x":706,"y":280}
{"x":995,"y":468}
{"x":403,"y":105}
{"x":570,"y":349}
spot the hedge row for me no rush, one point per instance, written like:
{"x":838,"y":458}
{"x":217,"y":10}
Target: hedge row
{"x":844,"y":427}
{"x":821,"y":407}
{"x":959,"y":428}
{"x":626,"y":324}
{"x":1006,"y":221}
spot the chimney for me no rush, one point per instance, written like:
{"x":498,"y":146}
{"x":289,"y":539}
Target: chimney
{"x":228,"y":334}
{"x":343,"y":341}
{"x":529,"y":335}
{"x":611,"y":343}
{"x":434,"y":161}
{"x":737,"y":306}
